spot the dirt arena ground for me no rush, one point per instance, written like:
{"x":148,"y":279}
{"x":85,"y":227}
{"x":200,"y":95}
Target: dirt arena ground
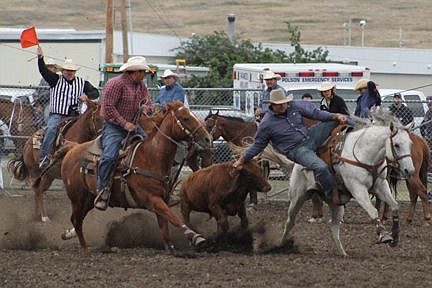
{"x":33,"y":255}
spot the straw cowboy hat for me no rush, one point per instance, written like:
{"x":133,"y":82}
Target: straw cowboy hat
{"x":169,"y":73}
{"x":362,"y":83}
{"x":135,"y":63}
{"x":325,"y":86}
{"x":277,"y":96}
{"x":271,"y":75}
{"x":69,"y":65}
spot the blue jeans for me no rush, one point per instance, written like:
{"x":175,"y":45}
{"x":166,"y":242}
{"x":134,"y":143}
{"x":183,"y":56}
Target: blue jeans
{"x":304,"y":154}
{"x":112,"y":136}
{"x":50,"y":135}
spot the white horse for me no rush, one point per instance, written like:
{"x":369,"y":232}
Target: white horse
{"x":362,"y":167}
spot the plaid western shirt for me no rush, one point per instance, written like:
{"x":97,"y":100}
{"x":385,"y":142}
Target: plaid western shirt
{"x":121,"y":97}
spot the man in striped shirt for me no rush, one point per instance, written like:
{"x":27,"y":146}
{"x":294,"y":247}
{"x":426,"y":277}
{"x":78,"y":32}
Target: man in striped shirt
{"x":67,"y":90}
{"x":121,"y":100}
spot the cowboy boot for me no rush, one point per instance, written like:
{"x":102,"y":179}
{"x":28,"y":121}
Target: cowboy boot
{"x":102,"y":199}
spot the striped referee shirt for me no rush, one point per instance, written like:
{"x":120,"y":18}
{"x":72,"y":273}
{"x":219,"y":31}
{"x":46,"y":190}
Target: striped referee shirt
{"x":65,"y":92}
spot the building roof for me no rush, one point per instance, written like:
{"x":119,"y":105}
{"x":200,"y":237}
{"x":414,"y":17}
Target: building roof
{"x":379,"y":60}
{"x":52,"y":34}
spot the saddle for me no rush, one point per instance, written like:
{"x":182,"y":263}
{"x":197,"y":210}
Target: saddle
{"x":63,"y":127}
{"x":334,"y":146}
{"x":90,"y":162}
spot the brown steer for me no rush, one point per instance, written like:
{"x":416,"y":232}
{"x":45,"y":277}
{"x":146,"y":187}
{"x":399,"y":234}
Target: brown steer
{"x":221,"y":190}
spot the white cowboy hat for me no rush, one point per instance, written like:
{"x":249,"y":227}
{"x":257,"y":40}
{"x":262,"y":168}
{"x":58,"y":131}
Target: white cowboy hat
{"x":325,"y":86}
{"x":135,"y":63}
{"x":169,"y":73}
{"x":277,"y":96}
{"x":271,"y":75}
{"x":69,"y":65}
{"x":362,"y":83}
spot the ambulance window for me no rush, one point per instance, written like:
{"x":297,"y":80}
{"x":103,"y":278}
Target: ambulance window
{"x":416,"y":108}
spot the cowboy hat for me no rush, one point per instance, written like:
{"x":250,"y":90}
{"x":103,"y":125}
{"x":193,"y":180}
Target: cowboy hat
{"x":69,"y":65}
{"x":277,"y":96}
{"x":325,"y":86}
{"x":271,"y":75}
{"x":135,"y":63}
{"x":362,"y":83}
{"x":169,"y":73}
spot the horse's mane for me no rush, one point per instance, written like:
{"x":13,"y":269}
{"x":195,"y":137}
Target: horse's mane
{"x":175,"y":105}
{"x":238,"y":119}
{"x":381,"y":117}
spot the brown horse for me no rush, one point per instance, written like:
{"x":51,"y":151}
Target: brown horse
{"x":149,"y":169}
{"x":20,"y":115}
{"x":232,"y":129}
{"x":416,"y":184}
{"x":26,"y":166}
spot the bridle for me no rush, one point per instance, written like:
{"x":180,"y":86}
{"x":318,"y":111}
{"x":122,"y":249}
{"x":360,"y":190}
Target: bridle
{"x":93,"y":129}
{"x":373,"y":169}
{"x":215,"y":126}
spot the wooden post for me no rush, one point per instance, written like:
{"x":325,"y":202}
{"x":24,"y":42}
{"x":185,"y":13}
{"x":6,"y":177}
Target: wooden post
{"x":109,"y":32}
{"x":124,"y":30}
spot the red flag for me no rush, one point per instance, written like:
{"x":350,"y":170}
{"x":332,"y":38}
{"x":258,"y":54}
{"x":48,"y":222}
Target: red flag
{"x":29,"y":38}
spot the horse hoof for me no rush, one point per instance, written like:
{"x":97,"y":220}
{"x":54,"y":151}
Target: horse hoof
{"x":198,"y":241}
{"x":385,"y":238}
{"x":45,"y":219}
{"x":68,"y":234}
{"x":393,"y":243}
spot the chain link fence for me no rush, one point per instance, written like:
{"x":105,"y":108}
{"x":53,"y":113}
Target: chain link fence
{"x":22,"y":113}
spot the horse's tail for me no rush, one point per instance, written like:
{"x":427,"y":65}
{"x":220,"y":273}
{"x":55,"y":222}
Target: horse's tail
{"x":425,"y":164}
{"x":18,"y":168}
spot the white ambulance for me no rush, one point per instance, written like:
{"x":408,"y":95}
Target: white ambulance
{"x":296,"y":79}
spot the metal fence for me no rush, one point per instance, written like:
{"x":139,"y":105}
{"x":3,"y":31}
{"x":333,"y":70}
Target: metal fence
{"x":20,"y":118}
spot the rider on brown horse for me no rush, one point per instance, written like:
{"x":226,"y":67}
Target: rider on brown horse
{"x":122,"y":96}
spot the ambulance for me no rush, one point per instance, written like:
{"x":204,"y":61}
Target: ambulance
{"x":296,"y":79}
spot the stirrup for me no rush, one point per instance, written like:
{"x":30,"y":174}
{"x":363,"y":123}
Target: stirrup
{"x":100,"y":202}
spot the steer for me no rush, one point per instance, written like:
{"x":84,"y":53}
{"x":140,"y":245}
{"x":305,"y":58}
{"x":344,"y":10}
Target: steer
{"x":221,"y":190}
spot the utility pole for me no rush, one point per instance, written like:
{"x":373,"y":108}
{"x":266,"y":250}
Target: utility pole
{"x":109,"y":32}
{"x":124,"y":31}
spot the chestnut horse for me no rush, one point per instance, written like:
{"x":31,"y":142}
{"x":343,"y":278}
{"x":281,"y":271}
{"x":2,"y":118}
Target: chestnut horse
{"x":149,"y":169}
{"x":20,"y":116}
{"x":416,"y":184}
{"x":26,"y":166}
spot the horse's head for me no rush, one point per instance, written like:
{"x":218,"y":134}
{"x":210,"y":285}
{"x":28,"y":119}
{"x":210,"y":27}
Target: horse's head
{"x":186,"y":126}
{"x":92,"y":118}
{"x":212,"y":124}
{"x":398,"y":149}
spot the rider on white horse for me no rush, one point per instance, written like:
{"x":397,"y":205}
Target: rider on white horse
{"x":283,"y":126}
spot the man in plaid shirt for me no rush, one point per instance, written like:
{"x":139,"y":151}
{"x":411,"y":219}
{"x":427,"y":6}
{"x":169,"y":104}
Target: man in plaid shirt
{"x":121,"y":99}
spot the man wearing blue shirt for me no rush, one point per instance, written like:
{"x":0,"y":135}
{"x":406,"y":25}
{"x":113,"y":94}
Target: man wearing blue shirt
{"x":171,"y":91}
{"x":270,"y":79}
{"x":283,"y":127}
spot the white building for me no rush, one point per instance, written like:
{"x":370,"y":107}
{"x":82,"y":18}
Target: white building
{"x":399,"y":68}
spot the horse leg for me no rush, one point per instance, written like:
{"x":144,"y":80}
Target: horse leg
{"x":417,"y":189}
{"x":337,"y":213}
{"x":163,"y":226}
{"x":383,"y":191}
{"x":294,"y":207}
{"x":360,"y":193}
{"x":317,"y":204}
{"x":158,"y":206}
{"x":39,"y":190}
{"x":244,"y":222}
{"x":80,"y":209}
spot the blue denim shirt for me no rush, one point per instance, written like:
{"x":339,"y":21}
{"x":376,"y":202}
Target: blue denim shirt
{"x":285,"y":131}
{"x":266,"y":96}
{"x":170,"y":94}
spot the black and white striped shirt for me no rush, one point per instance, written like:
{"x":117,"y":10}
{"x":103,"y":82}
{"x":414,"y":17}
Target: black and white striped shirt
{"x":65,"y":94}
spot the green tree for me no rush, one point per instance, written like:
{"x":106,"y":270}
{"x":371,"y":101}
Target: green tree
{"x":219,"y":54}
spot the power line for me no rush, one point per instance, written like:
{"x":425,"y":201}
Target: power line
{"x":35,"y":56}
{"x":162,"y":19}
